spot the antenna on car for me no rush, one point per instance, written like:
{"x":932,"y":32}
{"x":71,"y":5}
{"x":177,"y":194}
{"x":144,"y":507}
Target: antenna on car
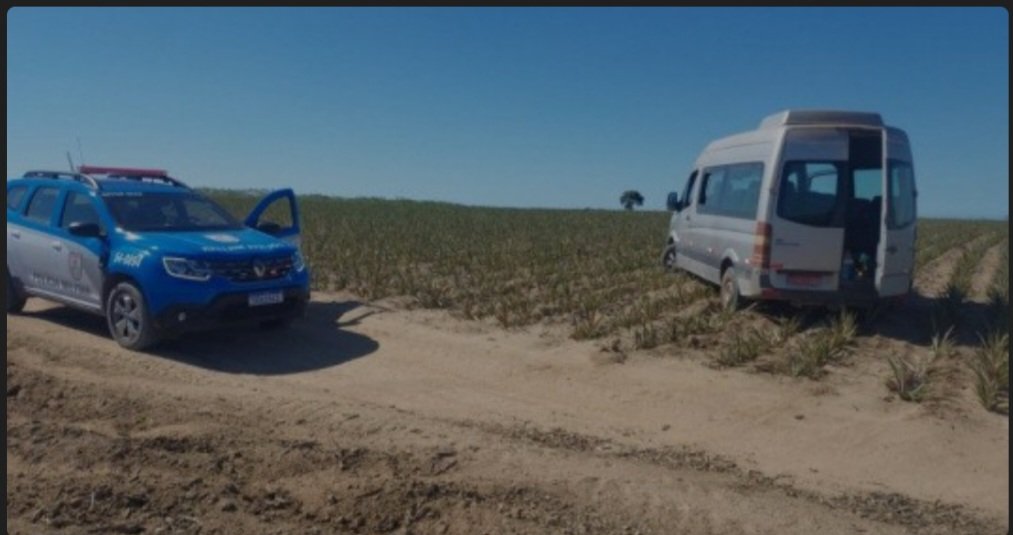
{"x":80,"y":152}
{"x":71,"y":162}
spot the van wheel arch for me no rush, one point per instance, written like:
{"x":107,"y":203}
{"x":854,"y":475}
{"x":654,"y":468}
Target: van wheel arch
{"x":731,"y":298}
{"x":668,"y":255}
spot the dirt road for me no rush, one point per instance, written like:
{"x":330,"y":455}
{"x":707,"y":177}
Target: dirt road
{"x":374,"y":419}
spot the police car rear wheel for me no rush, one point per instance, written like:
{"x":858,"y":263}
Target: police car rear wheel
{"x":15,"y":301}
{"x":127,"y":315}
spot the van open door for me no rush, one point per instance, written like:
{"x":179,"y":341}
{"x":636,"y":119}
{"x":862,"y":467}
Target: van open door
{"x":895,"y":268}
{"x":277,"y":214}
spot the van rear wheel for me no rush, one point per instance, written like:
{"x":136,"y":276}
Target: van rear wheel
{"x":731,"y":300}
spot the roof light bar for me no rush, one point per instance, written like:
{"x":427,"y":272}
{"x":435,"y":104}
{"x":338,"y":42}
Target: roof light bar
{"x":122,"y":171}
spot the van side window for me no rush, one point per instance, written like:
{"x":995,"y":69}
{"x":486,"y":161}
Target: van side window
{"x":686,"y":199}
{"x":14,"y":197}
{"x":901,"y":188}
{"x":742,"y":190}
{"x":40,"y":208}
{"x":809,"y":192}
{"x":710,"y":190}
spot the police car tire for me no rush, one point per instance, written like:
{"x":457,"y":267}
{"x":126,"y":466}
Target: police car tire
{"x":15,"y":301}
{"x":125,"y":294}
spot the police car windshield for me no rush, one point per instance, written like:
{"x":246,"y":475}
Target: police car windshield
{"x":139,"y":212}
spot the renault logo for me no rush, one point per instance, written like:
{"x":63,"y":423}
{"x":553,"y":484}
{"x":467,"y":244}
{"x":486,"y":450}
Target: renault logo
{"x":259,"y":269}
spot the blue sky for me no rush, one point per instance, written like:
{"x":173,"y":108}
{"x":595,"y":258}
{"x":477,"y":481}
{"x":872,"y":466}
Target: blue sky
{"x":560,"y":107}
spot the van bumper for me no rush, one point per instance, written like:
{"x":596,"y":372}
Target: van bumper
{"x":230,"y":309}
{"x":864,"y":295}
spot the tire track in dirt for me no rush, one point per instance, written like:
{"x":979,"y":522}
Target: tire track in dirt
{"x":917,"y":515}
{"x":251,"y":473}
{"x":176,"y":419}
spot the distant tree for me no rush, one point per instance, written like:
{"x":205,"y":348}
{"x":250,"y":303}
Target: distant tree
{"x":631,"y":198}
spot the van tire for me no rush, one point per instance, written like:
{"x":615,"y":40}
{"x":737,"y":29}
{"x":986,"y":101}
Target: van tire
{"x":15,"y":301}
{"x":731,"y":299}
{"x":668,"y":258}
{"x":128,"y":318}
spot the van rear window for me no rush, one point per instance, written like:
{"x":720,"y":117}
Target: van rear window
{"x":809,"y":192}
{"x":901,"y":187}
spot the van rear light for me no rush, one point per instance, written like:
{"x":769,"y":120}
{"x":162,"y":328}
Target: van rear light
{"x":761,"y":245}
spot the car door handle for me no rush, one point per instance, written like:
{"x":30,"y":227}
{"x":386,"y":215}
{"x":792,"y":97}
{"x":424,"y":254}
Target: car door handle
{"x":57,"y":245}
{"x":891,"y":249}
{"x":15,"y":234}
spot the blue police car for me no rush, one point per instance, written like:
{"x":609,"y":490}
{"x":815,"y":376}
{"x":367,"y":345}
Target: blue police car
{"x":152,"y":255}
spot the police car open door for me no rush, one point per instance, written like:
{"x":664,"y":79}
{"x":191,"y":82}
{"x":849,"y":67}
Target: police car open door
{"x":277,"y":214}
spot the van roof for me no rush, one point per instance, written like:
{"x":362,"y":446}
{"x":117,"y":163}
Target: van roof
{"x":828,"y":117}
{"x":759,"y":141}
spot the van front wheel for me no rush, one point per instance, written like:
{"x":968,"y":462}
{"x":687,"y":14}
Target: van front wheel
{"x":731,"y":300}
{"x":668,"y":257}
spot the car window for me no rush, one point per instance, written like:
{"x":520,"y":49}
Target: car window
{"x":741,"y":192}
{"x":14,"y":197}
{"x":79,"y":208}
{"x":686,"y":199}
{"x":868,"y":183}
{"x":202,"y":213}
{"x":40,"y":208}
{"x":809,"y":192}
{"x":168,"y":212}
{"x":710,"y":189}
{"x":901,"y":208}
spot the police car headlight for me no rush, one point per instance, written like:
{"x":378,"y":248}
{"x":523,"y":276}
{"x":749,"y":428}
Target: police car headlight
{"x":185,"y":268}
{"x":298,"y":264}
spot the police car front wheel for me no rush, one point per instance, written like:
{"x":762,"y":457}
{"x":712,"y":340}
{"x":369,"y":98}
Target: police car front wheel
{"x":130,"y":324}
{"x":15,"y":301}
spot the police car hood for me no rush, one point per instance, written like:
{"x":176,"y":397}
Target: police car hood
{"x":235,"y":244}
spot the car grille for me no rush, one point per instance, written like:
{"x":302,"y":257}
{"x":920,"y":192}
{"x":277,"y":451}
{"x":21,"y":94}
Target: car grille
{"x":260,"y":269}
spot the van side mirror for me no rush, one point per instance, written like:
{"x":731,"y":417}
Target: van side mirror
{"x":84,"y":230}
{"x":673,"y":202}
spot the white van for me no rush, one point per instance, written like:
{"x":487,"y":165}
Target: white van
{"x":813,"y":207}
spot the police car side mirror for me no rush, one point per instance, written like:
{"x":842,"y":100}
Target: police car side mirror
{"x":84,"y":230}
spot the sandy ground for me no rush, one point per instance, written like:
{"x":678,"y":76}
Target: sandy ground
{"x":369,"y":418}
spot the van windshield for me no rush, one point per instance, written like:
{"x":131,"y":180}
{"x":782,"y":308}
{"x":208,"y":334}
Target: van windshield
{"x":168,"y":212}
{"x":809,"y":192}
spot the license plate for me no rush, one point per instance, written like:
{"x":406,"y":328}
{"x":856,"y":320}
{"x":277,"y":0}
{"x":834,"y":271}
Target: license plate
{"x":266,"y":298}
{"x":804,"y":279}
